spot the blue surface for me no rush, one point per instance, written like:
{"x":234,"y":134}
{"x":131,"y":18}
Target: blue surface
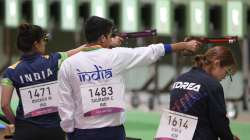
{"x":2,"y":126}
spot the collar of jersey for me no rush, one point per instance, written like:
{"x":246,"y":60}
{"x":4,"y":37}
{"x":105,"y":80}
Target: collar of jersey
{"x":29,"y":56}
{"x":92,"y":48}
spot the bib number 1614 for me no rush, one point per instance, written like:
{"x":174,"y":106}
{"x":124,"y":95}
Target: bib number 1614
{"x":177,"y":122}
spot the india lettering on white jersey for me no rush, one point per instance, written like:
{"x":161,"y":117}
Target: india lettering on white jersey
{"x":98,"y":74}
{"x":187,"y":86}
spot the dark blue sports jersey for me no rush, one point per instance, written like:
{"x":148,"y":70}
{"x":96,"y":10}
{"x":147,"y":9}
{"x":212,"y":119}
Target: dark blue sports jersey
{"x":198,"y":94}
{"x":32,"y":70}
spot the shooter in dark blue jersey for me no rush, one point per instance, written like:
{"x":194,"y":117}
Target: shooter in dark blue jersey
{"x":200,"y":94}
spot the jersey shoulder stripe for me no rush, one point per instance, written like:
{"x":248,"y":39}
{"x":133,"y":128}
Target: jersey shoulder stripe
{"x":6,"y":82}
{"x":45,"y":56}
{"x":14,"y":65}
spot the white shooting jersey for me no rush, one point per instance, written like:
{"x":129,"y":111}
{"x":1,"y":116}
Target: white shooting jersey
{"x":92,"y":86}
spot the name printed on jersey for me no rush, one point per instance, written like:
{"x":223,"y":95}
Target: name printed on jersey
{"x":98,"y":74}
{"x":31,"y":77}
{"x":186,"y":86}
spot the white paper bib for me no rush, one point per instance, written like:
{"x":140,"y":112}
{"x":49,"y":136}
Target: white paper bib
{"x":102,"y":99}
{"x":176,"y":126}
{"x":39,"y":99}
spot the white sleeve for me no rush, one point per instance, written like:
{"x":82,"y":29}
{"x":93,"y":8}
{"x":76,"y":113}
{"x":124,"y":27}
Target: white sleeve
{"x":66,"y":105}
{"x":127,"y":58}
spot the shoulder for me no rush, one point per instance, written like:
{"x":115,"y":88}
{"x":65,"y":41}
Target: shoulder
{"x":77,"y":56}
{"x":200,"y":77}
{"x":211,"y":84}
{"x":203,"y":76}
{"x":13,"y":66}
{"x":123,"y":51}
{"x":67,"y":63}
{"x":12,"y":69}
{"x":7,"y":77}
{"x":57,"y":55}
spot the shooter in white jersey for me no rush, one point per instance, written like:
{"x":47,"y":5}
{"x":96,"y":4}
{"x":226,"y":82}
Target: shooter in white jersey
{"x":92,"y":87}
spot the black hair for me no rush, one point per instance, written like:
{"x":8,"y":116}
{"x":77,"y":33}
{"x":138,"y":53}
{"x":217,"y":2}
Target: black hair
{"x":27,"y":35}
{"x":95,"y":27}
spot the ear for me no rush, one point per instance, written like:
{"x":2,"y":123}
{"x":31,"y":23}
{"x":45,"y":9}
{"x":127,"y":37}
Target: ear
{"x":102,"y":39}
{"x":217,"y":63}
{"x":35,"y":44}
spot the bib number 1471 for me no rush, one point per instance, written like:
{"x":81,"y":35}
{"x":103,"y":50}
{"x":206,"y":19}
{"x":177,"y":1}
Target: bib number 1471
{"x":39,"y":92}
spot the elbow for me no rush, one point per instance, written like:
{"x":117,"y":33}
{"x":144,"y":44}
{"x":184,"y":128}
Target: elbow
{"x":5,"y":107}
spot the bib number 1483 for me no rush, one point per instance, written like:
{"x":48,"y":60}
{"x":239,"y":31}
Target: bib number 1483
{"x":101,"y":91}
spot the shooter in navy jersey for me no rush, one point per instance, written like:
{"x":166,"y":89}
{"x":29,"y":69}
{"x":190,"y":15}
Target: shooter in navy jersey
{"x":199,"y":93}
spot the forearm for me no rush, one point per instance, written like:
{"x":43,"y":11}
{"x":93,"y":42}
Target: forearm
{"x":9,"y":114}
{"x":177,"y":47}
{"x":187,"y":47}
{"x":7,"y":91}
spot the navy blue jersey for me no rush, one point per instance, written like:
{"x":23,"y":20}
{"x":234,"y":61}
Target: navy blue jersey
{"x":31,"y":70}
{"x":198,"y":94}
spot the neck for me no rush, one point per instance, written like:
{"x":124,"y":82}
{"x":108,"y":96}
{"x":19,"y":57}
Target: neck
{"x":207,"y":69}
{"x":29,"y":53}
{"x":94,"y":45}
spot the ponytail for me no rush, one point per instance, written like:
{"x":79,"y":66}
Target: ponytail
{"x":200,"y":61}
